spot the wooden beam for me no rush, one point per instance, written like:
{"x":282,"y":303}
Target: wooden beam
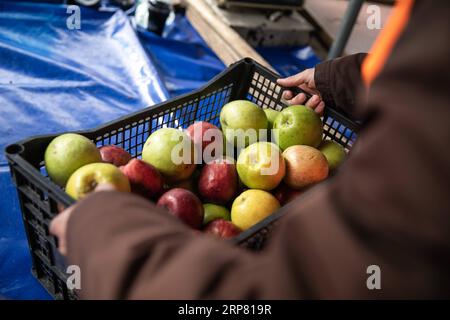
{"x":223,"y":40}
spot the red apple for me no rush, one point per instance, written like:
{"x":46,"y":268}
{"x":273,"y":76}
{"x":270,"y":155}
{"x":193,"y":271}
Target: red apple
{"x":114,"y":155}
{"x":285,"y":194}
{"x":197,"y":132}
{"x":222,"y":228}
{"x":188,"y":184}
{"x":144,"y":179}
{"x":218,"y":182}
{"x":183,"y":204}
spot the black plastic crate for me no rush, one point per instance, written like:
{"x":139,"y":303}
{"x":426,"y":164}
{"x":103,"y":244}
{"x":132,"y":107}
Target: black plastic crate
{"x":39,"y":197}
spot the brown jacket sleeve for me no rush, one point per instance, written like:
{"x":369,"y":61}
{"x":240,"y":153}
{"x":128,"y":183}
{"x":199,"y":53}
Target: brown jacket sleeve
{"x":339,"y":80}
{"x":388,"y":206}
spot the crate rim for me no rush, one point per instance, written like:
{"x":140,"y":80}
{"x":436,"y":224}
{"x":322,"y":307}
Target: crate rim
{"x":20,"y":145}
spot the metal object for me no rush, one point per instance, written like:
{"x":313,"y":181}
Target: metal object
{"x":158,"y":13}
{"x":265,"y":27}
{"x":346,"y":28}
{"x":152,"y":14}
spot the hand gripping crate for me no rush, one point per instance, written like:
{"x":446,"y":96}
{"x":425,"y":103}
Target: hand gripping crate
{"x":39,"y":197}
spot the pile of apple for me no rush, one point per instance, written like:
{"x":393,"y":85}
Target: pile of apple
{"x":223,"y":195}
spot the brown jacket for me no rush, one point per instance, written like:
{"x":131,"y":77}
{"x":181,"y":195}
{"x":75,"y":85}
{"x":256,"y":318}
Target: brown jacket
{"x":388,"y":206}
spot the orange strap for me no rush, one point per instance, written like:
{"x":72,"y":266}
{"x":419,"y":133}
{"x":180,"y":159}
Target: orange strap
{"x":385,"y":42}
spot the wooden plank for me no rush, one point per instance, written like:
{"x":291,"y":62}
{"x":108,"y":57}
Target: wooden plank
{"x":223,"y":40}
{"x":227,"y":54}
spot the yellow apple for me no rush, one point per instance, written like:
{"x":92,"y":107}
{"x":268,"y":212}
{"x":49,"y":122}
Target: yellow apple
{"x":87,"y":178}
{"x":251,"y":207}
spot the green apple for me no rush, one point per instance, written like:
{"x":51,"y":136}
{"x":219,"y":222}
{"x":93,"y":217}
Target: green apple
{"x":68,"y":152}
{"x":261,"y":166}
{"x":334,"y":153}
{"x":214,"y":211}
{"x":88,"y":177}
{"x":241,"y":121}
{"x":297,"y":125}
{"x":171,"y":152}
{"x":271,"y":116}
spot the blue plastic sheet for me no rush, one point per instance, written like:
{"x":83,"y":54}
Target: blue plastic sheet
{"x":185,"y":62}
{"x":53,"y":79}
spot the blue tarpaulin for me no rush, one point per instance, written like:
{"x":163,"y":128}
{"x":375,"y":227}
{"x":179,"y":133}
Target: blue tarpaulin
{"x":53,"y":79}
{"x":185,"y":62}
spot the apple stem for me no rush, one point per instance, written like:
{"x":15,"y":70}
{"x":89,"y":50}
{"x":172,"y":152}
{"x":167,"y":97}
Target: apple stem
{"x":93,"y":185}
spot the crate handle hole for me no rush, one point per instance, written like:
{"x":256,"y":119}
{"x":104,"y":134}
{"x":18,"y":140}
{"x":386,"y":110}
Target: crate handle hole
{"x":14,"y":149}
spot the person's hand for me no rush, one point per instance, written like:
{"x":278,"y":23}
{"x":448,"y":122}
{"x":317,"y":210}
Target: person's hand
{"x":305,"y":81}
{"x":58,"y":226}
